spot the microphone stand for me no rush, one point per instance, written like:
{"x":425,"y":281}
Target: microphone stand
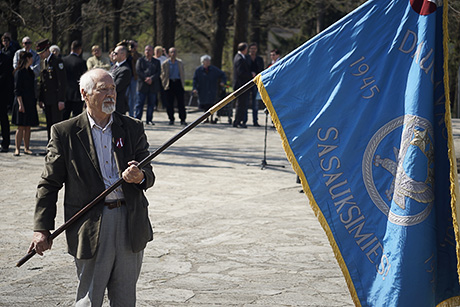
{"x":264,"y":164}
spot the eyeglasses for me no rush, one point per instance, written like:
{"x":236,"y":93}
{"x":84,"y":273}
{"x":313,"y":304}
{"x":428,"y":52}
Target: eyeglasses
{"x":105,"y":90}
{"x":28,"y":43}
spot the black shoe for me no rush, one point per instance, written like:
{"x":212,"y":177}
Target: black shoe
{"x":256,"y":124}
{"x":4,"y":149}
{"x":243,"y":126}
{"x":183,"y":122}
{"x":150,"y":123}
{"x":171,"y":122}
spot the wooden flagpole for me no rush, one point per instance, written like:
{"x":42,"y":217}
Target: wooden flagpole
{"x":143,"y":163}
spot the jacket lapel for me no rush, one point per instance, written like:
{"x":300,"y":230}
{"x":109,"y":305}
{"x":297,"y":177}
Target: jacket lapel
{"x":86,"y":138}
{"x":118,"y":142}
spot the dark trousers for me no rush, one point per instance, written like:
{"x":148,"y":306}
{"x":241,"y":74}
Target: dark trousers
{"x":241,"y":115}
{"x":161,"y":96}
{"x":53,"y":116}
{"x":74,"y":107}
{"x":5,"y":124}
{"x":175,"y":91}
{"x":254,"y":103}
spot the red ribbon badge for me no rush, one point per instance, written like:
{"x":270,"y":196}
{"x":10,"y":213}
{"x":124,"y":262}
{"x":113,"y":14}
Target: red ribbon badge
{"x":120,"y":143}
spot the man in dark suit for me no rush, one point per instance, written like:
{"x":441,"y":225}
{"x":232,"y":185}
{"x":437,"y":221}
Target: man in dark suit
{"x":6,"y":74}
{"x":122,"y":76}
{"x":148,"y":83}
{"x":75,"y":67}
{"x":256,"y":65}
{"x":52,"y":85}
{"x":87,"y":154}
{"x":241,"y":75}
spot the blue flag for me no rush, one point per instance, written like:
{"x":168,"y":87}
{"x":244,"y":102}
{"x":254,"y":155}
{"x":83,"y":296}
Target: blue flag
{"x":364,"y":119}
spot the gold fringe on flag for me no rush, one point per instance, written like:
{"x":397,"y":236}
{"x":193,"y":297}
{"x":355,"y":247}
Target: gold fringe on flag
{"x":306,"y":188}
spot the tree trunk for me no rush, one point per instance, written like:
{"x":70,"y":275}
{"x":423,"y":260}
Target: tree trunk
{"x":166,"y":23}
{"x":54,"y":31}
{"x":154,"y":24}
{"x":13,"y":19}
{"x":220,"y":13}
{"x":76,"y":20}
{"x":241,"y":23}
{"x":107,"y":39}
{"x":117,"y":5}
{"x":255,"y":21}
{"x":319,"y":16}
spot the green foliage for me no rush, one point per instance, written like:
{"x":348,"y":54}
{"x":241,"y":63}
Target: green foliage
{"x":195,"y":24}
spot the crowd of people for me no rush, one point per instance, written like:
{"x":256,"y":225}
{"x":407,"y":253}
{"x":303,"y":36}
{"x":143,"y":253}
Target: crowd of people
{"x":45,"y":76}
{"x":89,"y":151}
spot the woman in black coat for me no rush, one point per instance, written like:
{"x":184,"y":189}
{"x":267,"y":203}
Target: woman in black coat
{"x":25,"y":105}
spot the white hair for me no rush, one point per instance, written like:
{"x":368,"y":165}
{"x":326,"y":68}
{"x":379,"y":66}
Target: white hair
{"x":55,"y":47}
{"x":204,"y":58}
{"x":87,"y":83}
{"x":25,"y":39}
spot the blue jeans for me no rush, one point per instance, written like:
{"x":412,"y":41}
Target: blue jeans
{"x":151,"y":101}
{"x":132,"y":97}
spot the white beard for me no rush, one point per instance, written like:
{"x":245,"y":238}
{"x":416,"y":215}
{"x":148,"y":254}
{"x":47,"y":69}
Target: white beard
{"x":108,"y":108}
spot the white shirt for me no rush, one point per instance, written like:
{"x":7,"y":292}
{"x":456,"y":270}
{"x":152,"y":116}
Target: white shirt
{"x":120,"y":63}
{"x":162,"y":59}
{"x":48,"y":58}
{"x":35,"y":65}
{"x":102,"y":138}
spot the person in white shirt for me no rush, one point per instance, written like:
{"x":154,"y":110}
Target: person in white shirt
{"x":27,"y":44}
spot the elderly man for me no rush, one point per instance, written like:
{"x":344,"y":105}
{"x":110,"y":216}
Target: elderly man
{"x":87,"y":154}
{"x":122,"y":74}
{"x":27,"y":44}
{"x":55,"y":50}
{"x":97,"y":60}
{"x":148,"y":83}
{"x":52,"y":87}
{"x":173,"y":80}
{"x":206,"y":80}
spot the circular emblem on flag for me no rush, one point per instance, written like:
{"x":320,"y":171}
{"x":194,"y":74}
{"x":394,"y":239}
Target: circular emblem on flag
{"x":398,"y":170}
{"x":425,"y":7}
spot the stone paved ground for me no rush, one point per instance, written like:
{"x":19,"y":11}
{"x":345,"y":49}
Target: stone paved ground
{"x":226,"y":234}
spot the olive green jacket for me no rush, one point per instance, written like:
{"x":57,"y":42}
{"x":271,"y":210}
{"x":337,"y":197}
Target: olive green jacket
{"x":71,"y":161}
